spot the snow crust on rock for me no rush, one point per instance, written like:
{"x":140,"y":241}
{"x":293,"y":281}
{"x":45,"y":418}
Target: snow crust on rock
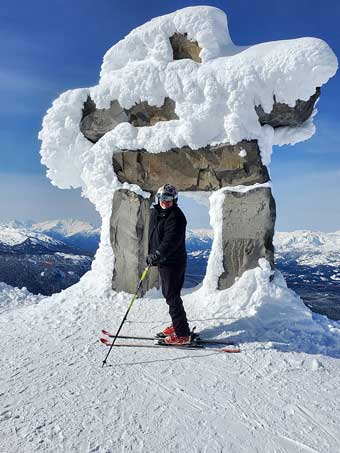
{"x":214,"y":99}
{"x":260,"y":307}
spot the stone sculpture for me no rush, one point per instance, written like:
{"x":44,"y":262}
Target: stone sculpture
{"x":248,"y":219}
{"x":177,"y":101}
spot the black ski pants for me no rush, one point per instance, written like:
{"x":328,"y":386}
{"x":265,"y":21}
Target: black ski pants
{"x":172,"y":279}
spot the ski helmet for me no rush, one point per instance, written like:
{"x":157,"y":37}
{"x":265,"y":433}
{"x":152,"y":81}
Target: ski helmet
{"x":167,"y":193}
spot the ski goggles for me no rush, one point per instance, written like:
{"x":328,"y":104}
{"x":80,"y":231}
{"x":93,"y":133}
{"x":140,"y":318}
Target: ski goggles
{"x":165,"y":197}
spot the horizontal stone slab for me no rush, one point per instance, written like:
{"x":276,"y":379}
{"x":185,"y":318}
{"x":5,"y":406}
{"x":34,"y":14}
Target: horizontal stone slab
{"x":208,"y":168}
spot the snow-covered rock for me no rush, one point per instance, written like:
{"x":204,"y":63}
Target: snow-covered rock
{"x":217,"y":95}
{"x":215,"y":100}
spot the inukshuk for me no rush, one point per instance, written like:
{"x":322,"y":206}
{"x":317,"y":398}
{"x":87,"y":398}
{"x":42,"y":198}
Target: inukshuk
{"x":178,"y":102}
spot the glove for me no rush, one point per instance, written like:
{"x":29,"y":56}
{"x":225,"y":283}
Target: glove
{"x":153,"y":259}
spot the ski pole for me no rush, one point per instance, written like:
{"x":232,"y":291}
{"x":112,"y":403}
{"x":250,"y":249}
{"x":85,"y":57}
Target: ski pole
{"x":127,"y":311}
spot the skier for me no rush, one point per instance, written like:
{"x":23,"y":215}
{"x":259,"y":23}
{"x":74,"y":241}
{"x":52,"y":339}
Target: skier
{"x":167,"y":251}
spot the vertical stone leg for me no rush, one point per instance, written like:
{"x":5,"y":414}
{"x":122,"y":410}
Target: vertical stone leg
{"x":129,"y":227}
{"x":247,"y":234}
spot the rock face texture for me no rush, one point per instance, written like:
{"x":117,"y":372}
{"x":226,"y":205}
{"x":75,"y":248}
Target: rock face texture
{"x":143,"y":114}
{"x":97,"y":122}
{"x":283,"y":115}
{"x":129,"y":229}
{"x":183,"y":48}
{"x":248,"y":230}
{"x":208,"y":168}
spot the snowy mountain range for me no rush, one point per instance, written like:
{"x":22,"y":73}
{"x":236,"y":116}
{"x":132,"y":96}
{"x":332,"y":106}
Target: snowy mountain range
{"x":49,"y":256}
{"x":40,"y":262}
{"x":310,"y":248}
{"x":76,"y":233}
{"x":310,"y":263}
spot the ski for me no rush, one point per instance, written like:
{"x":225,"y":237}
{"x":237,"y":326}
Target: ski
{"x":165,"y":346}
{"x":197,"y":340}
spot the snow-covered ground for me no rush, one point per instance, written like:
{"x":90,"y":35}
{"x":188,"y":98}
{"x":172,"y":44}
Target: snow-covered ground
{"x":279,"y":394}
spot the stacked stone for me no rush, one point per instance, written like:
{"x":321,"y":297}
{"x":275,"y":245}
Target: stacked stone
{"x":248,"y":216}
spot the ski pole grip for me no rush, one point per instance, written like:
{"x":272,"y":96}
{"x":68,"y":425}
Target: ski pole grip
{"x":145,"y":272}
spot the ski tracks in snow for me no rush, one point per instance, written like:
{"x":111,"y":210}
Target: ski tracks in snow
{"x":56,"y":397}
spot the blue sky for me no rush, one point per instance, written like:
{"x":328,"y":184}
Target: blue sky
{"x":50,"y":46}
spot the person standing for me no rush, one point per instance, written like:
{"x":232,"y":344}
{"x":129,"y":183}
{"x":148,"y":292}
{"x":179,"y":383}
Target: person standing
{"x":167,"y":251}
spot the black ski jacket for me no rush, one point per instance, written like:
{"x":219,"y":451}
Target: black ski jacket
{"x":167,"y":235}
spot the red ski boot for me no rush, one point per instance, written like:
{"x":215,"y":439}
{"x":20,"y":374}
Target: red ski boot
{"x":167,"y":331}
{"x":173,"y":339}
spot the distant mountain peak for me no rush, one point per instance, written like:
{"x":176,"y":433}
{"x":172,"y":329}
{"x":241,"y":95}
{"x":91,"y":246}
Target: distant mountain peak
{"x":307,"y":239}
{"x":200,"y":232}
{"x":17,"y":224}
{"x":66,"y":227}
{"x":15,"y":236}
